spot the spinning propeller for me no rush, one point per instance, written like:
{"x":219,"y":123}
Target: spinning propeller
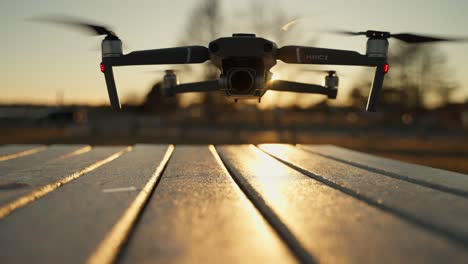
{"x":97,"y":30}
{"x":112,"y":52}
{"x":405,"y":37}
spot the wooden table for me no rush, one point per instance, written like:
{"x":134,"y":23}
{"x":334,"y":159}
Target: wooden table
{"x":226,"y":204}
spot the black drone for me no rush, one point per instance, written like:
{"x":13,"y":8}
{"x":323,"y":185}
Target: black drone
{"x":245,"y":62}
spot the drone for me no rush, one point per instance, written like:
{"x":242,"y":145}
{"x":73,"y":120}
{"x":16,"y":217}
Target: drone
{"x":245,"y":61}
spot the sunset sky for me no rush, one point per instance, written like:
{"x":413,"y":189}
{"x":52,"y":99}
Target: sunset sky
{"x":43,"y":63}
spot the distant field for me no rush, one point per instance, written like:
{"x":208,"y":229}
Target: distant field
{"x":445,"y":152}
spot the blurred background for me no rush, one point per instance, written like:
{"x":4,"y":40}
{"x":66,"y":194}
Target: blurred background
{"x":53,"y":92}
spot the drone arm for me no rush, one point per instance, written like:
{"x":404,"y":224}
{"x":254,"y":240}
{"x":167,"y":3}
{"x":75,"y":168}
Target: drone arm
{"x":287,"y":86}
{"x":110,"y":83}
{"x":179,"y":55}
{"x":206,"y":86}
{"x":310,"y":55}
{"x":376,"y":88}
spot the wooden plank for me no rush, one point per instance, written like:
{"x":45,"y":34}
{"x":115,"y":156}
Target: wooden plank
{"x":8,"y":152}
{"x":26,"y":180}
{"x":198,"y":215}
{"x":438,"y":211}
{"x":37,"y":158}
{"x":67,"y":225}
{"x":447,"y":181}
{"x":333,"y":226}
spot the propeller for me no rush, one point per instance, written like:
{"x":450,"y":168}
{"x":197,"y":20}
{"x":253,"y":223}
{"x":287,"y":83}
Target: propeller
{"x":405,"y":37}
{"x":93,"y":29}
{"x":291,"y":23}
{"x":96,"y":30}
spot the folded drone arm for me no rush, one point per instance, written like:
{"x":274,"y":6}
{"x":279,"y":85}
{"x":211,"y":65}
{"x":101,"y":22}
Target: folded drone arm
{"x":111,"y":88}
{"x":287,"y":86}
{"x":310,"y":55}
{"x":179,"y":55}
{"x":206,"y":86}
{"x":376,"y":88}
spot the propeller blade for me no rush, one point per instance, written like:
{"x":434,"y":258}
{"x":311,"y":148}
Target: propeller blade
{"x":345,"y":32}
{"x":406,"y":37}
{"x":69,"y":21}
{"x":413,"y":38}
{"x":288,"y":25}
{"x":99,"y":30}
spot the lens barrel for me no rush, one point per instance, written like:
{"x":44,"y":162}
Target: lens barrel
{"x":241,"y":81}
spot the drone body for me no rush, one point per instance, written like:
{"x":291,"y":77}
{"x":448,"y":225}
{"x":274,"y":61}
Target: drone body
{"x":245,"y":62}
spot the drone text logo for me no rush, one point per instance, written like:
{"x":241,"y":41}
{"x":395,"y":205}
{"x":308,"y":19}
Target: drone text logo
{"x":317,"y":57}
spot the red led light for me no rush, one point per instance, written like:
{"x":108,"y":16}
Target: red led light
{"x":103,"y":67}
{"x":386,"y":67}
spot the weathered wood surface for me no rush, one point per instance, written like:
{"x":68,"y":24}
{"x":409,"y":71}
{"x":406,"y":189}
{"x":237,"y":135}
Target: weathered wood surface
{"x":226,"y":204}
{"x":451,"y":182}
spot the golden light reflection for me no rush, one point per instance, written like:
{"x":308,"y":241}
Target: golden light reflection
{"x":258,"y":222}
{"x":272,"y":177}
{"x":278,"y":150}
{"x":77,"y":152}
{"x":22,"y":153}
{"x":274,"y":149}
{"x":275,"y":77}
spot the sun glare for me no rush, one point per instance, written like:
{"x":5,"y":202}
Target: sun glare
{"x":270,"y":175}
{"x":275,"y":77}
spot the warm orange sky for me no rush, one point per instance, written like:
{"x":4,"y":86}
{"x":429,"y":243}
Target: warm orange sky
{"x":42,"y":62}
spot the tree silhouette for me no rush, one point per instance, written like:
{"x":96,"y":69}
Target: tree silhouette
{"x":202,"y":27}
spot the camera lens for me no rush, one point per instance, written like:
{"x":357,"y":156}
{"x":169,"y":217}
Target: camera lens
{"x":241,"y":81}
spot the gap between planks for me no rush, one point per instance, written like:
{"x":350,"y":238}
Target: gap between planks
{"x":394,"y":175}
{"x":377,"y":204}
{"x":268,"y":214}
{"x":109,"y":248}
